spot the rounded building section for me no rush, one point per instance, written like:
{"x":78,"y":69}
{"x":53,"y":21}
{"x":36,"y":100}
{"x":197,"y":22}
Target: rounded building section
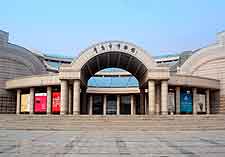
{"x":210,"y":62}
{"x":15,"y":61}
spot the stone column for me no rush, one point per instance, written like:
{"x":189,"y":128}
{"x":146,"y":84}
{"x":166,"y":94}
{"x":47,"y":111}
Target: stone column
{"x":104,"y":104}
{"x":31,"y":100}
{"x":76,"y":97}
{"x":158,"y":99}
{"x":90,"y":105}
{"x":194,"y":100}
{"x":208,"y":101}
{"x":164,"y":97}
{"x":151,"y":96}
{"x":118,"y":105}
{"x":49,"y":99}
{"x":70,"y":100}
{"x":142,"y":101}
{"x":18,"y":101}
{"x":132,"y":104}
{"x":177,"y":100}
{"x":135,"y":104}
{"x":64,"y":96}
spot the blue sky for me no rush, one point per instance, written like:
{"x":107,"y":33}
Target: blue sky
{"x":65,"y":27}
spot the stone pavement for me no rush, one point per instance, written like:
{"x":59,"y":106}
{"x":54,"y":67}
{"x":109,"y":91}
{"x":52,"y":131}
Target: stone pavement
{"x":108,"y":143}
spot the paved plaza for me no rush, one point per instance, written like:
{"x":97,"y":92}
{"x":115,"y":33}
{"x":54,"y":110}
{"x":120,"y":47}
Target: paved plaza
{"x":108,"y":143}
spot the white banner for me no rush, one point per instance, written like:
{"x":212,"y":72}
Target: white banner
{"x":171,"y":102}
{"x":201,"y":105}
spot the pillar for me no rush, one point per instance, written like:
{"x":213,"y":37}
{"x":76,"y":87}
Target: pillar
{"x":18,"y":101}
{"x":31,"y":100}
{"x":151,"y":96}
{"x":164,"y":97}
{"x":76,"y":97}
{"x":70,"y":100}
{"x":132,"y":104}
{"x":104,"y":104}
{"x":135,"y":104}
{"x":90,"y":105}
{"x":208,"y":101}
{"x":49,"y":99}
{"x":158,"y":99}
{"x":194,"y":100}
{"x":64,"y":96}
{"x":177,"y":100}
{"x":142,"y":101}
{"x":118,"y":105}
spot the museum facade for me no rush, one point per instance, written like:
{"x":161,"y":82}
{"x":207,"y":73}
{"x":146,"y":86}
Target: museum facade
{"x":112,"y":78}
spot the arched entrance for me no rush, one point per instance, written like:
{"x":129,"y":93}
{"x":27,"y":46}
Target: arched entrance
{"x":112,"y":54}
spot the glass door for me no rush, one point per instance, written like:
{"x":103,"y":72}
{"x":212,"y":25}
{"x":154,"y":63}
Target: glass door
{"x":97,"y":105}
{"x":111,"y":104}
{"x":125,"y":104}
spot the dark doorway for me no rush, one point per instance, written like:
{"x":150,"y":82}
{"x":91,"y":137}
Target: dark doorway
{"x":111,"y":104}
{"x":97,"y":105}
{"x":125,"y":105}
{"x":137,"y":102}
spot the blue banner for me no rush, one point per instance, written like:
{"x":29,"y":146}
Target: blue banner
{"x":186,"y":101}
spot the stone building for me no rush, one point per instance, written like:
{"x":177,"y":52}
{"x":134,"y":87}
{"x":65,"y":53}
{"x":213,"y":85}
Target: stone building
{"x":112,"y":78}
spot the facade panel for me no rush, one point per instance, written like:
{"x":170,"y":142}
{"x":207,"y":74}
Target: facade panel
{"x":40,"y":102}
{"x":25,"y":103}
{"x":186,"y":101}
{"x":55,"y":102}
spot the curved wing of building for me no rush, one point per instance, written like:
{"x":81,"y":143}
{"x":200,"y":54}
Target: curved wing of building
{"x":112,"y":77}
{"x":15,"y":61}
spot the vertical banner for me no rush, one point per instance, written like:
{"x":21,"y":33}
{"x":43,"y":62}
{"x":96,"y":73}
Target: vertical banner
{"x":201,"y":103}
{"x":186,"y":101}
{"x":25,"y":102}
{"x":40,"y":102}
{"x":171,"y":102}
{"x":55,"y":102}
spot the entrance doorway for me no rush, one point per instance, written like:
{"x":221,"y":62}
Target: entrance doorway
{"x":97,"y":105}
{"x":111,"y":104}
{"x":125,"y":104}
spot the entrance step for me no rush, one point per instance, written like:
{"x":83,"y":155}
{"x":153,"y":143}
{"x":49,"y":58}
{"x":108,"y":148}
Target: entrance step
{"x":113,"y":123}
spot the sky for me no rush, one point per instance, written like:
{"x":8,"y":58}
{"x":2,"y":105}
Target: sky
{"x":66,"y":27}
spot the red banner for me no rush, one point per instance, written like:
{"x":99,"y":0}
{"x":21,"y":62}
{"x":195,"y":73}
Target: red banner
{"x":55,"y":102}
{"x":40,"y":102}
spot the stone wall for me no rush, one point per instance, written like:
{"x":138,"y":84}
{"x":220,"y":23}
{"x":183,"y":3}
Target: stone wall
{"x":215,"y":69}
{"x":9,"y":68}
{"x":210,"y":62}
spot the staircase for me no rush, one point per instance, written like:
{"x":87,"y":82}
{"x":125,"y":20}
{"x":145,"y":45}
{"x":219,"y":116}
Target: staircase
{"x":112,"y":123}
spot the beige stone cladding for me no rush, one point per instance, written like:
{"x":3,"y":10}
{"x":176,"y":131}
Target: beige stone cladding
{"x":210,"y":62}
{"x":215,"y":69}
